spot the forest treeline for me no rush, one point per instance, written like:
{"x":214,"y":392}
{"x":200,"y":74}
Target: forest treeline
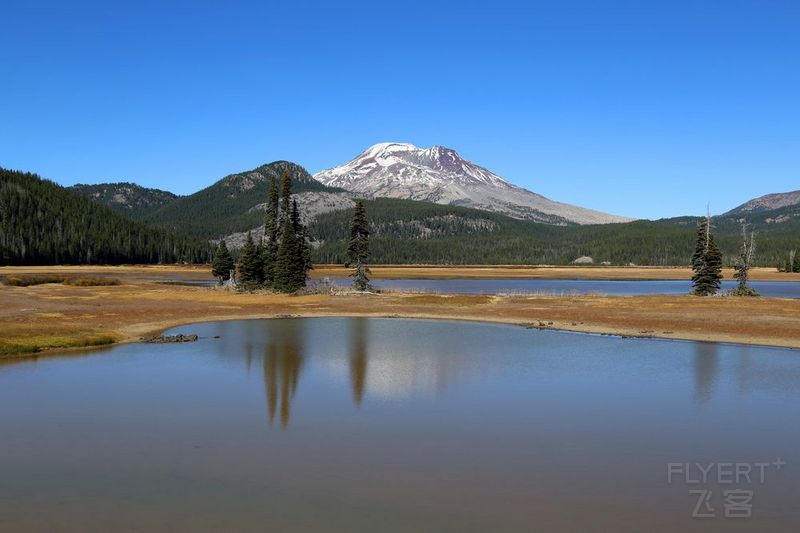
{"x":44,"y":223}
{"x":418,"y":232}
{"x":227,"y":206}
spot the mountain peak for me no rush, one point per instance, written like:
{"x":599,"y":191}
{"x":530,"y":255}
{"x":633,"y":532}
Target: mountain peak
{"x":439,"y":174}
{"x":439,"y":149}
{"x":767,"y":203}
{"x":390,"y":149}
{"x":387,"y":148}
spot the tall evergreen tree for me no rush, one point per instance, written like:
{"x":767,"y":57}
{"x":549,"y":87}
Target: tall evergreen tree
{"x":293,"y":258}
{"x":286,"y":265}
{"x":271,"y":234}
{"x":706,"y":261}
{"x":250,"y":266}
{"x":260,"y":254}
{"x":358,"y":248}
{"x":286,"y":200}
{"x":303,"y":250}
{"x":788,"y":264}
{"x":222,"y":264}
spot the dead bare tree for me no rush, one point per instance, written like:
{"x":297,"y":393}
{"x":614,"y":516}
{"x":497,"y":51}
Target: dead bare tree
{"x":744,"y":262}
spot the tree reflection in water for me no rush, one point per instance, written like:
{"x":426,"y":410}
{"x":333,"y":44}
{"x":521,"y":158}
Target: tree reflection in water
{"x":358,"y":358}
{"x":705,"y":370}
{"x":283,"y":364}
{"x":398,"y":371}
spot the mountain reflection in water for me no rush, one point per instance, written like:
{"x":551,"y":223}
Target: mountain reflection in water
{"x":389,"y":371}
{"x":379,"y":369}
{"x":391,"y":425}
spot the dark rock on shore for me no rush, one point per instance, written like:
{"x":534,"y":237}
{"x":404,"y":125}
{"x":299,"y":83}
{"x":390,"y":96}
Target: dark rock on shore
{"x":162,"y":339}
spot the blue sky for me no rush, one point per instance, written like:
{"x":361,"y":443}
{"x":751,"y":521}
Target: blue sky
{"x":626,"y":107}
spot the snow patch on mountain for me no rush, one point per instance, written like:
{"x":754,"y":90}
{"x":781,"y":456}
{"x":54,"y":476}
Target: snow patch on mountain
{"x":440,"y":175}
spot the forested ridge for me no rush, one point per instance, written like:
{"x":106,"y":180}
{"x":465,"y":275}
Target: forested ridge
{"x":44,"y":223}
{"x":129,"y":199}
{"x":419,"y":232}
{"x":227,"y":206}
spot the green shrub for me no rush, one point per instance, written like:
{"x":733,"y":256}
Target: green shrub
{"x":743,"y":291}
{"x":28,"y":280}
{"x":91,"y":282}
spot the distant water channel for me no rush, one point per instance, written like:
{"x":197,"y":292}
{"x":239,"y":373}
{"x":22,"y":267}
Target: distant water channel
{"x":355,"y":424}
{"x":771,"y":289}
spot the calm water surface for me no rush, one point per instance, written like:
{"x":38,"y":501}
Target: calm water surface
{"x":769,"y":289}
{"x":373,"y":425}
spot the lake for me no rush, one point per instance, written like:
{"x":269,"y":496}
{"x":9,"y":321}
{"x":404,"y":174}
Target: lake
{"x":353,"y":424}
{"x":769,"y":289}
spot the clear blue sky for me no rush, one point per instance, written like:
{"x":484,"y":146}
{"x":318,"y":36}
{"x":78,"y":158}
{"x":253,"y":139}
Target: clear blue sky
{"x":625,"y":107}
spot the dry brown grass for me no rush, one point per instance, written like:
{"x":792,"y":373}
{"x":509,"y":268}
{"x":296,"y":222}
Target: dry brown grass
{"x":56,"y":316}
{"x":201,"y":272}
{"x":92,"y":281}
{"x":541,"y":272}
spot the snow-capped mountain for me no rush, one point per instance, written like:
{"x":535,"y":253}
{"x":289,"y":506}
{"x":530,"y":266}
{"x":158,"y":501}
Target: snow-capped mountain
{"x":440,"y":175}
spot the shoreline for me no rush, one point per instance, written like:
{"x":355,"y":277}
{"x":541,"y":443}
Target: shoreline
{"x":59,"y":319}
{"x":553,"y":272}
{"x":554,"y":328}
{"x":79,"y":351}
{"x":146,"y":273}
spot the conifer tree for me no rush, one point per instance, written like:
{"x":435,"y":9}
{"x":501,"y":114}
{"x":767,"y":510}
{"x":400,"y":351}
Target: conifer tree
{"x":250,"y":267}
{"x":358,"y":248}
{"x":286,"y":200}
{"x":714,"y":262}
{"x":293,"y":257}
{"x":706,"y":261}
{"x":271,"y":234}
{"x":44,"y":223}
{"x":303,"y":255}
{"x":286,"y":278}
{"x":222,"y":264}
{"x":260,"y":253}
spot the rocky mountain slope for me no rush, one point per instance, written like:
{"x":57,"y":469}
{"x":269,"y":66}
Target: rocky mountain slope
{"x":312,"y":204}
{"x":767,"y":202}
{"x":440,"y":175}
{"x":230,"y":204}
{"x":440,"y":230}
{"x":126,"y":198}
{"x":410,"y":232}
